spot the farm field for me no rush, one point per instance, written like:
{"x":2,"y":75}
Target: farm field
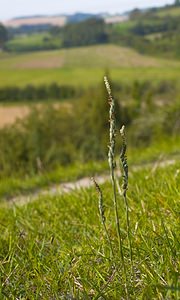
{"x":10,"y":113}
{"x":83,"y":66}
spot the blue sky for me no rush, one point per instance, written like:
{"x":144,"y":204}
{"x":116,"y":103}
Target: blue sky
{"x":14,"y":8}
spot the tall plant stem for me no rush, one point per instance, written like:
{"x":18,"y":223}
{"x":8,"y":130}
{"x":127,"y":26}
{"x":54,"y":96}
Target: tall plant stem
{"x":102,"y":214}
{"x":124,"y":164}
{"x":112,"y":165}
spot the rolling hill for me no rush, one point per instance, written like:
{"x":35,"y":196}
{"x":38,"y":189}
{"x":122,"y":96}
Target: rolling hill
{"x":83,"y":66}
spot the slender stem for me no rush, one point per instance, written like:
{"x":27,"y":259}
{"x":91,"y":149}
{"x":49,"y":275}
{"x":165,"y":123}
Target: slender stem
{"x":124,"y":164}
{"x":102,"y":213}
{"x":117,"y":217}
{"x":112,"y":165}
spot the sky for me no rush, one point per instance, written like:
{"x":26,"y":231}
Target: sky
{"x":16,"y":8}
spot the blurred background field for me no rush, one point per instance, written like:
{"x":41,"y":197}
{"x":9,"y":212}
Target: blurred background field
{"x":56,"y":71}
{"x":84,"y":66}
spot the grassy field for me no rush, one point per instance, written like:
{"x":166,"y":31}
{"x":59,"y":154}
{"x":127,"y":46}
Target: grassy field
{"x":31,"y":39}
{"x":166,"y":149}
{"x":15,"y":186}
{"x":170,"y":11}
{"x":56,"y":248}
{"x":125,"y":26}
{"x":86,"y":77}
{"x":83,"y":66}
{"x":69,"y":246}
{"x":100,"y":56}
{"x":32,"y":42}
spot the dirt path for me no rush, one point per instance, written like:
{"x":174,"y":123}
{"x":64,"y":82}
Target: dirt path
{"x":85,"y":182}
{"x":58,"y":189}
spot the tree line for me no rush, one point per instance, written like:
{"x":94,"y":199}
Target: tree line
{"x":3,"y":35}
{"x":38,"y":93}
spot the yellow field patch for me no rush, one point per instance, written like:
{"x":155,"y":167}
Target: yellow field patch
{"x":9,"y":114}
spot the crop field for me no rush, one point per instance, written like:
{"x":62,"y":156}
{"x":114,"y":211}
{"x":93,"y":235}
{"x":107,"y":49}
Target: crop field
{"x":9,"y":114}
{"x":83,"y":66}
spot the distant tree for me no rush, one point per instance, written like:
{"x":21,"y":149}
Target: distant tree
{"x":55,"y":30}
{"x":177,"y":3}
{"x":135,"y":13}
{"x":92,"y":31}
{"x":3,"y":35}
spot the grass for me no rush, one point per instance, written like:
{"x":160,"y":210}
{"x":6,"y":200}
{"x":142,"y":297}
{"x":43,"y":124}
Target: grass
{"x":86,"y":77}
{"x":124,"y":27}
{"x":100,"y":56}
{"x":164,"y":149}
{"x":170,"y":11}
{"x":11,"y":112}
{"x":32,"y":42}
{"x":16,"y":186}
{"x":55,"y":247}
{"x":154,"y":36}
{"x":83,"y":66}
{"x":30,"y":39}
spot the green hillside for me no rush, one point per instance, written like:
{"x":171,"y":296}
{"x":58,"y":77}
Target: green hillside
{"x":169,"y":11}
{"x":100,"y":56}
{"x":83,"y":66}
{"x":163,"y":23}
{"x":32,"y":42}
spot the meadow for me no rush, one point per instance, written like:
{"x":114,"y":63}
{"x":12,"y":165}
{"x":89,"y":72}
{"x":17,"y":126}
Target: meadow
{"x":170,"y":11}
{"x":56,"y":248}
{"x":84,"y":66}
{"x":36,"y":41}
{"x":158,"y":153}
{"x":68,"y":246}
{"x":116,"y":240}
